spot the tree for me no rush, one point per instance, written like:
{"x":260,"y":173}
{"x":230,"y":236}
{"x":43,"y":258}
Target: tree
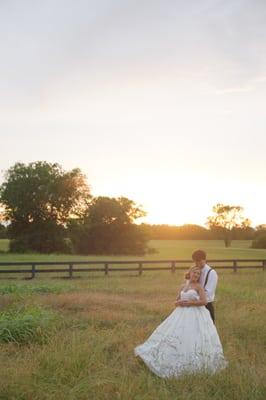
{"x":3,"y":231}
{"x":226,"y":219}
{"x":3,"y":228}
{"x":39,"y":199}
{"x":109,"y":228}
{"x":259,"y":242}
{"x":107,"y":210}
{"x":260,"y":229}
{"x":172,"y":232}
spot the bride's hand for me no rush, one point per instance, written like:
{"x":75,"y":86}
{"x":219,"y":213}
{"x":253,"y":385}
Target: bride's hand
{"x":183,"y":303}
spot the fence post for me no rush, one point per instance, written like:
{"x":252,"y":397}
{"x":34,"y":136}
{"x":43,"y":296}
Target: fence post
{"x":70,"y":271}
{"x":33,"y":271}
{"x":140,"y":269}
{"x":235,"y":265}
{"x":106,"y":269}
{"x":173,"y":267}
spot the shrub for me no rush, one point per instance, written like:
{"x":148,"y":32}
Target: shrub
{"x":114,"y":238}
{"x":43,"y":238}
{"x":259,"y":242}
{"x":31,"y":324}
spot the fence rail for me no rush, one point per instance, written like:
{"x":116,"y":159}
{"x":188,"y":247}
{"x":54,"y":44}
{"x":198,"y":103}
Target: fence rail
{"x":111,"y":266}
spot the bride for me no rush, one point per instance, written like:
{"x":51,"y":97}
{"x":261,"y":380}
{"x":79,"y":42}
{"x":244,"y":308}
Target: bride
{"x":187,"y":340}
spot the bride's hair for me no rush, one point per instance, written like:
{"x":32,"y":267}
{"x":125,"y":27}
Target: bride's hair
{"x":187,"y":274}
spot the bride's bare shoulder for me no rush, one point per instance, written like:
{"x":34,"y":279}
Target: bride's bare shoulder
{"x":183,"y":285}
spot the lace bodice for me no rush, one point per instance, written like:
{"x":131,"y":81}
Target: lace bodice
{"x":190,"y":294}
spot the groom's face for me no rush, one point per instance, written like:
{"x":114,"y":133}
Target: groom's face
{"x":200,"y":263}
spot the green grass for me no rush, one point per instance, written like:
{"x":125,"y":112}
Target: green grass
{"x":22,"y":289}
{"x":103,"y":318}
{"x":26,"y":325}
{"x":165,"y":249}
{"x":4,"y":245}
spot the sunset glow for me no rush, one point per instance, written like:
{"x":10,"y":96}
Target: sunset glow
{"x":168,"y":110}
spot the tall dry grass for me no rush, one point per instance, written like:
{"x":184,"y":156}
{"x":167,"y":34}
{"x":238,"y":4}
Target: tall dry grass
{"x":91,"y":355}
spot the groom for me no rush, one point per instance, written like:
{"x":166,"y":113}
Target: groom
{"x":208,"y":279}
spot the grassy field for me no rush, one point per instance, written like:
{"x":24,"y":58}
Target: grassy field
{"x":166,"y":249}
{"x":73,"y":339}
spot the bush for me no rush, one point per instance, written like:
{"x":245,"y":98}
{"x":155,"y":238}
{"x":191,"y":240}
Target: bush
{"x":31,"y":324}
{"x":113,"y":239}
{"x":43,"y":238}
{"x":259,"y":242}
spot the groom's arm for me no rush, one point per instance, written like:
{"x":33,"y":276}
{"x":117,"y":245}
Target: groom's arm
{"x":211,"y":285}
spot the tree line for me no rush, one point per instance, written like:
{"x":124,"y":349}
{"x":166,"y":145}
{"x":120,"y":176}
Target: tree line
{"x":197,"y":232}
{"x":47,"y":209}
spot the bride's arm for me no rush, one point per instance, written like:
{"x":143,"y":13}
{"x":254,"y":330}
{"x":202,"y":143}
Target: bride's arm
{"x":179,"y":293}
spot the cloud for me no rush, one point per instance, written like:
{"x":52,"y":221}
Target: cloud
{"x":230,"y":90}
{"x":222,"y":42}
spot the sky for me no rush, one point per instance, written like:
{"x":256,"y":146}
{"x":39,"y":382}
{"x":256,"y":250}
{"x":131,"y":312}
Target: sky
{"x":160,"y":101}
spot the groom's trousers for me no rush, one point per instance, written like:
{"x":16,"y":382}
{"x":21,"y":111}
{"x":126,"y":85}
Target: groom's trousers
{"x":210,"y":307}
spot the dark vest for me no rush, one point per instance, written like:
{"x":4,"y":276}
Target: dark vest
{"x":209,"y":305}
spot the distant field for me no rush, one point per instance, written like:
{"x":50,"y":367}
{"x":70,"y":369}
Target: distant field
{"x":4,"y":243}
{"x":166,"y":249}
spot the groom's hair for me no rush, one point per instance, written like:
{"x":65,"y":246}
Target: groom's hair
{"x":199,"y":255}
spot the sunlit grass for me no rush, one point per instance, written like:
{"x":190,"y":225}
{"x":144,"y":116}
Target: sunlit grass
{"x":91,"y":357}
{"x":4,"y":245}
{"x":165,"y":249}
{"x":88,"y":349}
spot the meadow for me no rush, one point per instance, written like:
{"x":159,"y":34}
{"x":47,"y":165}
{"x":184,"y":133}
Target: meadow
{"x":74,"y":339}
{"x":165,"y":249}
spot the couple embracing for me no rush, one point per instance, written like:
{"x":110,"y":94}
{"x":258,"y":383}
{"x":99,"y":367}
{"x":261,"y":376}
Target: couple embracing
{"x":187,"y":340}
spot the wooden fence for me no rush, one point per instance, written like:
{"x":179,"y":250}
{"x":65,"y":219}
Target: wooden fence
{"x":74,"y":267}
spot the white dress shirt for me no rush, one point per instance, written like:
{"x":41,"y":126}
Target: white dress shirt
{"x":211,"y":284}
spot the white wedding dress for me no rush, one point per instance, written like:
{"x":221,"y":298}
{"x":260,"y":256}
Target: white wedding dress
{"x":185,"y":342}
